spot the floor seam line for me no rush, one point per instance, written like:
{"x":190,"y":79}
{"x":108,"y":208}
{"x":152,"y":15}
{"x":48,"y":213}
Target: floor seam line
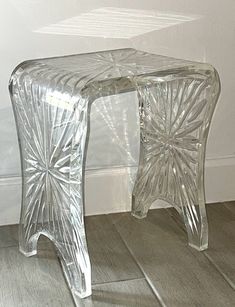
{"x":224,"y":276}
{"x":1,"y":247}
{"x":117,"y":281}
{"x":204,"y":253}
{"x":148,"y":280}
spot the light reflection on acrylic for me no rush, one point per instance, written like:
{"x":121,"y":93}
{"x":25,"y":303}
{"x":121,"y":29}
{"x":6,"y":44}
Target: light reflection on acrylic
{"x":112,"y":22}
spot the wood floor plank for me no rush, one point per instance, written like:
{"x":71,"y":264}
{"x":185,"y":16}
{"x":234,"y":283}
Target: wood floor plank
{"x":221,"y":249}
{"x":8,"y":235}
{"x":231,"y":207}
{"x":36,"y":281}
{"x":180,"y":275}
{"x":42,"y":276}
{"x":110,"y":259}
{"x":128,"y":293}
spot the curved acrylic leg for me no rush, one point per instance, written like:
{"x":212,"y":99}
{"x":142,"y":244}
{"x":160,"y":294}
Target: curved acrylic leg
{"x":27,"y":246}
{"x":70,"y":243}
{"x":174,"y":122}
{"x":54,"y":209}
{"x":52,"y":135}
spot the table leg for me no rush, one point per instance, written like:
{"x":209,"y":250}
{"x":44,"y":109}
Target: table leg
{"x":175,"y":115}
{"x":52,"y":139}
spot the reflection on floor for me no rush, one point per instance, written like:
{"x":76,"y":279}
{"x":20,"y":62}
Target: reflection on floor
{"x":134,"y":263}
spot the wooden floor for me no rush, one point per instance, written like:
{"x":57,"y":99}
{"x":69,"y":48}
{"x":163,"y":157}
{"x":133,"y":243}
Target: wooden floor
{"x":134,"y":263}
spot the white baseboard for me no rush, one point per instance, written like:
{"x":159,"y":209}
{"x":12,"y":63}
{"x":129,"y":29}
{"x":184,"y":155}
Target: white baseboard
{"x":220,"y":179}
{"x":109,"y":190}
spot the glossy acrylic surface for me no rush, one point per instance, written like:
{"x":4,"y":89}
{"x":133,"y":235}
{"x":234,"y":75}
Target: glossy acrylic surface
{"x":52,"y":99}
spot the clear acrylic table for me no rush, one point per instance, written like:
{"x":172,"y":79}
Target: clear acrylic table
{"x":51,"y":100}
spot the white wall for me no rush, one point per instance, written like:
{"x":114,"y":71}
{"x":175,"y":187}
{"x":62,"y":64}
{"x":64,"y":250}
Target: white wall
{"x":202,"y":31}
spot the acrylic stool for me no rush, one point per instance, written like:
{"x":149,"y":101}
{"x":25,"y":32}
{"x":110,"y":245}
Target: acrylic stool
{"x":51,"y":100}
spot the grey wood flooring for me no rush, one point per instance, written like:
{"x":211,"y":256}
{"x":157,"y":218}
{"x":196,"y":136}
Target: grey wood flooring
{"x":134,"y":263}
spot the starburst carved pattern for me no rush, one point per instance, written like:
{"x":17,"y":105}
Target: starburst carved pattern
{"x":51,"y":101}
{"x":52,"y":134}
{"x":174,"y":123}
